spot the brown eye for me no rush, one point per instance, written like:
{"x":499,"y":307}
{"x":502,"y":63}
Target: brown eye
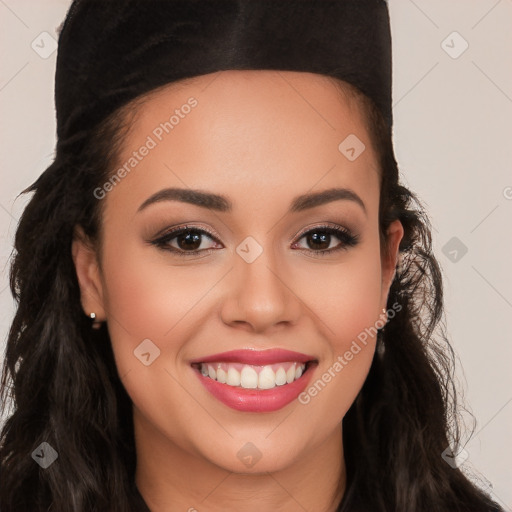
{"x":318,"y":240}
{"x":188,"y":240}
{"x":185,"y":241}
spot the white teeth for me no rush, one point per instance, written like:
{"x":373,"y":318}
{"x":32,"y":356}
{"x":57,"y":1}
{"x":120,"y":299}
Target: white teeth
{"x":290,"y":374}
{"x":253,"y":377}
{"x":280,"y":376}
{"x":266,"y":378}
{"x":233,"y":377}
{"x":221,"y":376}
{"x":249,"y":378}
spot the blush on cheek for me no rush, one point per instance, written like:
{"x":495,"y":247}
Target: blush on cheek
{"x":143,"y":297}
{"x":145,"y":301}
{"x":348,"y":308}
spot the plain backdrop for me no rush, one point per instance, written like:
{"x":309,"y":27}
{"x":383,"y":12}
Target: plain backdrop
{"x":452,"y":95}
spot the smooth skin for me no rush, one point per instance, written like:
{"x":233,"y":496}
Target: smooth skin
{"x":260,"y":138}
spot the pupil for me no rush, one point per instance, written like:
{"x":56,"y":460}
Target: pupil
{"x":192,"y":241}
{"x":323,"y":239}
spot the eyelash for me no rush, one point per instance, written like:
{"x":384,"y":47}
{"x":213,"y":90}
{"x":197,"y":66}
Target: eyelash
{"x":346,"y":237}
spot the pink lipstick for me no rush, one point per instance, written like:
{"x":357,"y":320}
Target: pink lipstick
{"x":255,"y":380}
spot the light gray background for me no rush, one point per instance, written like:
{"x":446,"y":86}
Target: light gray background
{"x":453,"y":143}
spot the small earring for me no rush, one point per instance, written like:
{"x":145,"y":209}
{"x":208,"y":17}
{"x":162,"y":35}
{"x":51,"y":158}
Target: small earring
{"x":95,"y":323}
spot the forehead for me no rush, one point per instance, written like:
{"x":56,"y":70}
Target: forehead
{"x":259,"y":130}
{"x":321,"y":97}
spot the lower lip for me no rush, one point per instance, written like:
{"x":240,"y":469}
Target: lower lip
{"x":257,"y":400}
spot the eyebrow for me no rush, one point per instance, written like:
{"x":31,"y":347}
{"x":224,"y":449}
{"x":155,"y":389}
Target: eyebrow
{"x":223,"y":204}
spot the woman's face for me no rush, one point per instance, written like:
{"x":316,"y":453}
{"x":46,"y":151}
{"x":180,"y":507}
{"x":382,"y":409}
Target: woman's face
{"x":260,"y":279}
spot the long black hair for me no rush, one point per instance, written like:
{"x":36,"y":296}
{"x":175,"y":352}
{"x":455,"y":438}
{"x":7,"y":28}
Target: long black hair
{"x":61,"y":378}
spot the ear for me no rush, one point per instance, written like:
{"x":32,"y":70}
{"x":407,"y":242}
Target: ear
{"x":88,"y":274}
{"x":389,"y":259}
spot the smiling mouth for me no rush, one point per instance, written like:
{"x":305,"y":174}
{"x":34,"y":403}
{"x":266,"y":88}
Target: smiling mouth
{"x":247,"y":376}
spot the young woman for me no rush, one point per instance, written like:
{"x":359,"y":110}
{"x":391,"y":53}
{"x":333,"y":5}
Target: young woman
{"x":227,"y":300}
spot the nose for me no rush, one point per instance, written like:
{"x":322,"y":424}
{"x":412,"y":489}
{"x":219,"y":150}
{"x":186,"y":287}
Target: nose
{"x":259,"y":296}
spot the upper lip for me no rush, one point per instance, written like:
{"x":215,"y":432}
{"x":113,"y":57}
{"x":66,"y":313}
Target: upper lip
{"x":256,"y":357}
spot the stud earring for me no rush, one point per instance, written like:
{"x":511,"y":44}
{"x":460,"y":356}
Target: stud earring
{"x":95,"y":323}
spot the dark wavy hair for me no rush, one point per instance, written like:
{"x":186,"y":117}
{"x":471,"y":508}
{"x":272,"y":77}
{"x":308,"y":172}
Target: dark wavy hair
{"x":62,"y":379}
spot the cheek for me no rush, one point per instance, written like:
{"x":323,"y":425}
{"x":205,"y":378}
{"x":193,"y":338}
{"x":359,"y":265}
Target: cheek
{"x":345,"y":296}
{"x":148,"y":298}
